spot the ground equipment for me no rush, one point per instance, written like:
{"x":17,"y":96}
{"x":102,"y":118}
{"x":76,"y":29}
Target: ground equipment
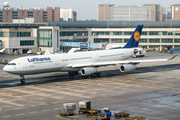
{"x":121,"y":114}
{"x":106,"y":114}
{"x":68,"y":109}
{"x":85,"y":107}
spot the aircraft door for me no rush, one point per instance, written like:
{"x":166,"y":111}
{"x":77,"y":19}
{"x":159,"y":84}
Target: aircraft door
{"x":56,"y":61}
{"x":24,"y":64}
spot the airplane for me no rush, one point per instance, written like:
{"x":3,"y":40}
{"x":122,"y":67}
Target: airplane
{"x":85,"y":62}
{"x":2,"y":50}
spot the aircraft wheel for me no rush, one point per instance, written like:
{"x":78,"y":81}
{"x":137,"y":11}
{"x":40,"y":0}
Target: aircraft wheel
{"x":99,"y":74}
{"x":23,"y":80}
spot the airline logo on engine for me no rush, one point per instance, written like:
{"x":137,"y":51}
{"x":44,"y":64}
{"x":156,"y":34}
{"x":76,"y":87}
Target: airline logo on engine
{"x":136,"y":36}
{"x":39,"y":59}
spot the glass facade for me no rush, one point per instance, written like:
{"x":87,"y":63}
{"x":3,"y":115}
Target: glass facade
{"x":167,"y":40}
{"x":176,"y":40}
{"x":167,"y":13}
{"x":75,"y":40}
{"x":129,"y":13}
{"x":116,"y":41}
{"x":98,"y":40}
{"x":154,"y":40}
{"x":131,"y":32}
{"x":143,"y":40}
{"x":23,"y":34}
{"x":1,"y":34}
{"x":26,"y":42}
{"x":44,"y":37}
{"x":74,"y":33}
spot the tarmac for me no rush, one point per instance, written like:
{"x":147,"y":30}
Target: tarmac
{"x":151,"y":91}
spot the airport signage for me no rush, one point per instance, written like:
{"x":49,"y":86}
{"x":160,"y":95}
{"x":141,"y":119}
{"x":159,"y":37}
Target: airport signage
{"x":83,"y":45}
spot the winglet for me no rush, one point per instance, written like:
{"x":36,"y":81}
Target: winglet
{"x":172,"y":57}
{"x":47,"y":52}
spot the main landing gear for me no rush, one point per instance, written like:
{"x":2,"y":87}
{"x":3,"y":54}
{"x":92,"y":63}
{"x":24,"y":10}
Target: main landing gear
{"x":98,"y":74}
{"x":22,"y":79}
{"x":73,"y":73}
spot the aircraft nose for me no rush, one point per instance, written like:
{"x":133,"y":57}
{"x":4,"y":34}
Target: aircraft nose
{"x":5,"y":68}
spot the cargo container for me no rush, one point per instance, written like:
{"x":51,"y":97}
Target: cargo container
{"x":68,"y":109}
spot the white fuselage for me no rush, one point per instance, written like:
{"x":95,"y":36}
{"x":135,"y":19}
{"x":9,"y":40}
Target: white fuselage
{"x":60,"y":62}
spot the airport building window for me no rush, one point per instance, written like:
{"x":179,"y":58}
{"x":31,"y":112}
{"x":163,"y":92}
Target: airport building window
{"x":143,"y":40}
{"x":74,"y":33}
{"x":26,"y":42}
{"x":154,"y":40}
{"x":97,"y":40}
{"x":170,"y":33}
{"x":176,"y":33}
{"x":144,"y":33}
{"x":116,"y":33}
{"x":126,"y":40}
{"x":79,"y":40}
{"x":116,"y":40}
{"x":154,"y":33}
{"x":176,"y":40}
{"x":128,"y":33}
{"x":15,"y":49}
{"x":167,"y":40}
{"x":164,"y":33}
{"x":1,"y":34}
{"x":44,"y":37}
{"x":23,"y":34}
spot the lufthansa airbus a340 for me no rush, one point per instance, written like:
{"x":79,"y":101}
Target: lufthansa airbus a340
{"x":85,"y":62}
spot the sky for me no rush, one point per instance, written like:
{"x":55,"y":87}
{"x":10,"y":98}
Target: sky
{"x":86,"y":9}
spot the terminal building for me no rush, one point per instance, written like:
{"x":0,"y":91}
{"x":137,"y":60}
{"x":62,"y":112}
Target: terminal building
{"x":147,"y":12}
{"x":62,"y":36}
{"x":40,"y":14}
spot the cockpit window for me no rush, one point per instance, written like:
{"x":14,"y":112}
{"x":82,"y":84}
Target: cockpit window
{"x":11,"y":64}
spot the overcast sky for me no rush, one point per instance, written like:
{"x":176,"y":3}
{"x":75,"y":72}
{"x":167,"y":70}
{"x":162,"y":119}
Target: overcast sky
{"x":86,"y":9}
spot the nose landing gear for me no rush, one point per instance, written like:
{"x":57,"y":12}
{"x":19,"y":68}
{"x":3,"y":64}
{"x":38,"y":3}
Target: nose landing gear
{"x":22,"y":79}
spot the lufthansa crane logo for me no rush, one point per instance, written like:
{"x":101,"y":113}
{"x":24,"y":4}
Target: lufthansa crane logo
{"x":136,"y":36}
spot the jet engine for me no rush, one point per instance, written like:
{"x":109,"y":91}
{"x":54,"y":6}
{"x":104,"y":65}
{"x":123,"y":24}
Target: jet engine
{"x":127,"y":67}
{"x":88,"y":71}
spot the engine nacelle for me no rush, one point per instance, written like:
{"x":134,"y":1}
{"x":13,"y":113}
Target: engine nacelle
{"x":127,"y":67}
{"x":88,"y":71}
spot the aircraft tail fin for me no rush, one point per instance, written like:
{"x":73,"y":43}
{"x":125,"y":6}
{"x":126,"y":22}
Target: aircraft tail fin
{"x":2,"y":50}
{"x":134,"y":40}
{"x":47,"y":52}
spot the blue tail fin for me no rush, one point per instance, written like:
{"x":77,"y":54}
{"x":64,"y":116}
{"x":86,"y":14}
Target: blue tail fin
{"x":134,"y":40}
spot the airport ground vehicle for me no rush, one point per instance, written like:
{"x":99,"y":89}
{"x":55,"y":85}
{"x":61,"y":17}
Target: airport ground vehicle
{"x":85,"y":107}
{"x":121,"y":114}
{"x":163,"y":50}
{"x":91,"y":118}
{"x":106,"y":114}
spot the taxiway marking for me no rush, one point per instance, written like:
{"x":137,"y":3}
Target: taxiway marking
{"x":19,"y":114}
{"x":125,"y":84}
{"x":33,"y":112}
{"x":6,"y":116}
{"x":45,"y":110}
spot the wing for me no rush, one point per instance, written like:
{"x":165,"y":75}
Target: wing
{"x":96,"y":64}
